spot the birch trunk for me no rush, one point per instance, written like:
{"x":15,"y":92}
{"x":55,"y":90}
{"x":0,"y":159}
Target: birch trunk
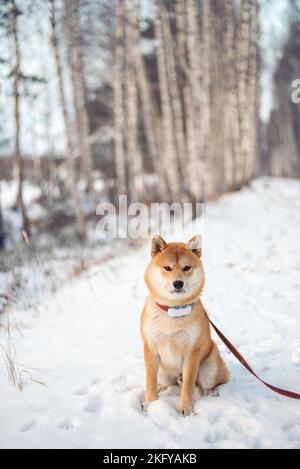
{"x":2,"y":232}
{"x":18,"y":163}
{"x":134,"y":155}
{"x":46,"y":102}
{"x":216,"y":155}
{"x":74,"y":128}
{"x":205,"y":98}
{"x":181,"y":148}
{"x":71,"y":174}
{"x":186,"y":41}
{"x":252,"y":111}
{"x":181,"y":26}
{"x":231,"y":111}
{"x":81,"y":104}
{"x":36,"y":160}
{"x":151,"y":121}
{"x":119,"y":118}
{"x":167,"y":124}
{"x":193,"y":102}
{"x":184,"y":83}
{"x":243,"y":62}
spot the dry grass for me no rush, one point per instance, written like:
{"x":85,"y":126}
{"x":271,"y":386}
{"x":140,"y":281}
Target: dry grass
{"x":15,"y":374}
{"x":11,"y":369}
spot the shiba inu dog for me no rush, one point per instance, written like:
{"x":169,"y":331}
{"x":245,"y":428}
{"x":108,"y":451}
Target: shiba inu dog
{"x":177,"y":343}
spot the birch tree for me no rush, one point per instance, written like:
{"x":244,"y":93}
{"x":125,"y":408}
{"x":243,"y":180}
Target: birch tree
{"x":135,"y":161}
{"x":243,"y":64}
{"x":119,"y":118}
{"x":186,"y":31}
{"x":151,"y":120}
{"x":216,"y":183}
{"x":205,"y":98}
{"x":71,"y":174}
{"x":251,"y":163}
{"x":192,"y":105}
{"x":47,"y":110}
{"x":36,"y":160}
{"x":175,"y":97}
{"x":2,"y":232}
{"x":283,"y":139}
{"x":81,"y":103}
{"x":18,"y":162}
{"x":231,"y":111}
{"x":169,"y":149}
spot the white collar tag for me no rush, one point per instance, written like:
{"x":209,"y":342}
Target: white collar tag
{"x":179,"y":311}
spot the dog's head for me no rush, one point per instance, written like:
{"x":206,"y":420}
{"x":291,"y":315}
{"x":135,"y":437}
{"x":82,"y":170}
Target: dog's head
{"x":175,"y":275}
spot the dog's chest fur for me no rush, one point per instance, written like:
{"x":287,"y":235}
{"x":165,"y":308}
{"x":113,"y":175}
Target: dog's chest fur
{"x":171,"y":336}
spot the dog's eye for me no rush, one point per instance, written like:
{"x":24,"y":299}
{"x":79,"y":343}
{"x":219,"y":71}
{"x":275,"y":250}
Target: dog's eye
{"x":167,"y":268}
{"x":187,"y":268}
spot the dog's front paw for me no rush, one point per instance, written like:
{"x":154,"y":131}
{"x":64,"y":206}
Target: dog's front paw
{"x":185,"y":411}
{"x":146,"y":404}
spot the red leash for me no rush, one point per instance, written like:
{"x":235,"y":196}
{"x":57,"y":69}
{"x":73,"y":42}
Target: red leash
{"x":241,"y":359}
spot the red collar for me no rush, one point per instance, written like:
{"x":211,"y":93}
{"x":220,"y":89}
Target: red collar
{"x":163,"y":307}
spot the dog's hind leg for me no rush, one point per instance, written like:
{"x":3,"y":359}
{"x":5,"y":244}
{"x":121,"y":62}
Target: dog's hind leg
{"x":212,"y":372}
{"x":165,"y":379}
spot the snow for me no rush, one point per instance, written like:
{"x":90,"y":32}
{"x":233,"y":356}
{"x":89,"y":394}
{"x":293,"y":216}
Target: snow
{"x":9,"y":190}
{"x":83,"y":342}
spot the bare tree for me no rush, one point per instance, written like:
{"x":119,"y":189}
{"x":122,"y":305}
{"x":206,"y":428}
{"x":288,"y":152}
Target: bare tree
{"x":176,"y":102}
{"x":192,"y":105}
{"x":36,"y":159}
{"x":216,"y":183}
{"x":283,"y":136}
{"x":186,"y":33}
{"x":231,"y":110}
{"x":119,"y":118}
{"x":47,"y":97}
{"x":2,"y":232}
{"x":71,"y":174}
{"x":18,"y":163}
{"x":243,"y":63}
{"x":81,"y":103}
{"x":205,"y":98}
{"x":184,"y":104}
{"x":135,"y":160}
{"x":251,"y":161}
{"x":169,"y":149}
{"x":151,"y":120}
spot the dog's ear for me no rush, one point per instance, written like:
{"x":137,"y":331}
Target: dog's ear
{"x":158,"y":245}
{"x":195,"y":245}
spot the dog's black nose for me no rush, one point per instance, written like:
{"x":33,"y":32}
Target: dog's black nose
{"x":178,"y":284}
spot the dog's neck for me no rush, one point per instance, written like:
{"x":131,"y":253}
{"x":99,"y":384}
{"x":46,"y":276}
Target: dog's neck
{"x":181,"y":309}
{"x":191,"y":300}
{"x":167,"y":307}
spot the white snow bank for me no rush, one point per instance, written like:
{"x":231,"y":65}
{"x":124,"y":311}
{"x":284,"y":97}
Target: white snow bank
{"x":84,"y":343}
{"x":8,"y":192}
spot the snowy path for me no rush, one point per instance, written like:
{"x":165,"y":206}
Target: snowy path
{"x":84,"y":343}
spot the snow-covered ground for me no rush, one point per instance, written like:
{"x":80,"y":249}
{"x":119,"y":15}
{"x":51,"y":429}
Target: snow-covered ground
{"x":83,"y":342}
